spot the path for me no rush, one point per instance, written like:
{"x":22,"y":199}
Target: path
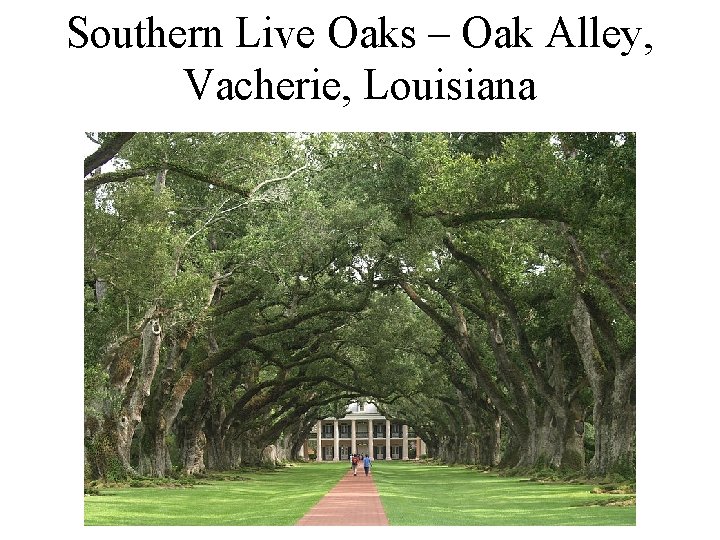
{"x":353,"y":501}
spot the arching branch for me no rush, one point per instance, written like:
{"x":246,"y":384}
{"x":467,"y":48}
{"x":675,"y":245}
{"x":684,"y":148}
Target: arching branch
{"x":108,"y":150}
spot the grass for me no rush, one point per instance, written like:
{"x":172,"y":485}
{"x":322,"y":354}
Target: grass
{"x":424,"y":495}
{"x":411,"y":493}
{"x":263,"y":497}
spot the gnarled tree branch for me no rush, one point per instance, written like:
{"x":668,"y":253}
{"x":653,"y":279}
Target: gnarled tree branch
{"x":108,"y":149}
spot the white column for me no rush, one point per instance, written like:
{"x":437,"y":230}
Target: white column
{"x":319,"y":441}
{"x":387,"y":440}
{"x":353,"y":446}
{"x":336,"y":455}
{"x":370,"y":439}
{"x":405,"y":442}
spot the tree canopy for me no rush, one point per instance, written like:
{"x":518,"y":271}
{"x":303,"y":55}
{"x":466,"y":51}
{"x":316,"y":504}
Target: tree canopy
{"x":241,"y":286}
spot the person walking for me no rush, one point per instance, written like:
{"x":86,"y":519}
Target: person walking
{"x":366,"y":464}
{"x":355,"y":460}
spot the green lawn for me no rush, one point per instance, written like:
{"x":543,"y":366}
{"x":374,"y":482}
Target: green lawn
{"x":415,"y":494}
{"x":266,"y":498}
{"x":412,"y":494}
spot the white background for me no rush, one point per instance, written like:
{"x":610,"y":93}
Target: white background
{"x":52,"y":94}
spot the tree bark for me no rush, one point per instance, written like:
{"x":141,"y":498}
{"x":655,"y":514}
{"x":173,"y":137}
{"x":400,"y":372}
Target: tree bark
{"x":218,"y":456}
{"x":160,"y":181}
{"x":107,"y":150}
{"x":168,"y":397}
{"x":193,"y":440}
{"x":138,"y":390}
{"x":157,"y":421}
{"x":614,"y":400}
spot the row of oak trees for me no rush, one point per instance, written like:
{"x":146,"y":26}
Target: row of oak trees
{"x":241,"y":286}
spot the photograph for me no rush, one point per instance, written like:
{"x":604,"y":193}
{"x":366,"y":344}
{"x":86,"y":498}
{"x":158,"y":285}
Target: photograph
{"x":338,"y":328}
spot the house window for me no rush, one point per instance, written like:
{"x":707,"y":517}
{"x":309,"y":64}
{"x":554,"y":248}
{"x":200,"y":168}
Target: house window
{"x":345,"y":430}
{"x":361,"y":406}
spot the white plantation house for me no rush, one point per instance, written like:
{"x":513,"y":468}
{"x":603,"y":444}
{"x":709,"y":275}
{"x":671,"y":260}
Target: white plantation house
{"x":363,"y":430}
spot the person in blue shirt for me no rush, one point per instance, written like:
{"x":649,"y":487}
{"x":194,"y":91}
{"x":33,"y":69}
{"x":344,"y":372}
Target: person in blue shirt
{"x":366,"y":464}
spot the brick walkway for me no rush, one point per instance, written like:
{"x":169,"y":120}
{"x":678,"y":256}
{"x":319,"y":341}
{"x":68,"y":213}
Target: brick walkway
{"x":353,"y":501}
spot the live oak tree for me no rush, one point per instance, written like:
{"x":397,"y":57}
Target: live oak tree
{"x":159,"y":258}
{"x":579,"y":188}
{"x":240,"y":287}
{"x":557,"y":186}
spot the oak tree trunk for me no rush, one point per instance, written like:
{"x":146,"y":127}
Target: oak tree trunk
{"x":613,"y":389}
{"x":138,"y":390}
